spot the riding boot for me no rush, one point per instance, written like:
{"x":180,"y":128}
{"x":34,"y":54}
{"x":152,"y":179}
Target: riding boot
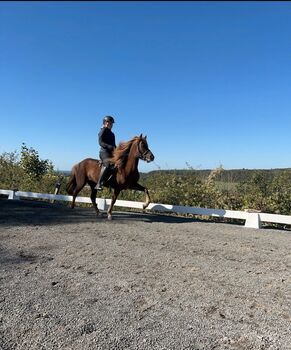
{"x":102,"y":178}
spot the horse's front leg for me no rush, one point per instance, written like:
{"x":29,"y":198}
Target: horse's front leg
{"x":141,"y":188}
{"x":93,"y":200}
{"x":113,"y":200}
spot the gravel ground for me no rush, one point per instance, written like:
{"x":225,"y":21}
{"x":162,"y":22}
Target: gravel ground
{"x":69,"y":280}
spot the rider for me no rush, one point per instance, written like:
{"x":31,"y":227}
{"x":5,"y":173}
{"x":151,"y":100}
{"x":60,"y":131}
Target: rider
{"x":106,"y":139}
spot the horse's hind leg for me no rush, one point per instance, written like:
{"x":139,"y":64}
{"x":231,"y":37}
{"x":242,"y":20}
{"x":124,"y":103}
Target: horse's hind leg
{"x":73,"y":202}
{"x":93,"y":197}
{"x":78,"y":188}
{"x":75,"y":194}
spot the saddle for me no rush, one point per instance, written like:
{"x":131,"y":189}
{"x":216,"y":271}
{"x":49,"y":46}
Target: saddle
{"x":110,"y":177}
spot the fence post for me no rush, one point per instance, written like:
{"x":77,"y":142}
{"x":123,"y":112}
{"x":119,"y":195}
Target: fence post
{"x":12,"y":194}
{"x":101,"y":203}
{"x":253,"y":218}
{"x":57,"y":189}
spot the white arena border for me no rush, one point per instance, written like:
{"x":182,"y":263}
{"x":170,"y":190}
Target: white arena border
{"x":252,"y":219}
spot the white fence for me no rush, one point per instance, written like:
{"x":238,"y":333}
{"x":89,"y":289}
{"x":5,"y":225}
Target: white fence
{"x":252,"y":219}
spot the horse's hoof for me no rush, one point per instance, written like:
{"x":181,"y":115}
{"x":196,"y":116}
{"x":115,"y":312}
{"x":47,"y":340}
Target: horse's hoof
{"x":109,"y":217}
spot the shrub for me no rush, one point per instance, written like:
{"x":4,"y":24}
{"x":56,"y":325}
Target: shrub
{"x":27,"y":172}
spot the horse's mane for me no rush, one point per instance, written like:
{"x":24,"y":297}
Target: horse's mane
{"x":120,"y":154}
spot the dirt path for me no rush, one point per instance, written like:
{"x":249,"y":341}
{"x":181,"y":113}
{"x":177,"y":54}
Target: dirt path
{"x":71,"y":281}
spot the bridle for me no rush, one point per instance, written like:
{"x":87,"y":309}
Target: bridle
{"x":142,"y":155}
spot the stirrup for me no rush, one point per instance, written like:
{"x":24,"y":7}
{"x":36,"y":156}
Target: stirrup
{"x":98,"y":187}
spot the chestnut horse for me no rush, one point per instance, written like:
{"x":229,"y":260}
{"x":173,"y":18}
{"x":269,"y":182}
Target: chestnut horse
{"x":125,"y":176}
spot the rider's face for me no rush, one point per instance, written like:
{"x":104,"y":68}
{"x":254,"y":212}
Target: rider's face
{"x":108,"y":124}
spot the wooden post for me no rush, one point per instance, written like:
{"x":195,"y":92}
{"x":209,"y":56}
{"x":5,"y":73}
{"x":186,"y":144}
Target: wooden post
{"x":57,"y":189}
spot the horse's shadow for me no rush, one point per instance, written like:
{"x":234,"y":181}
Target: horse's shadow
{"x":31,"y":212}
{"x":150,"y":217}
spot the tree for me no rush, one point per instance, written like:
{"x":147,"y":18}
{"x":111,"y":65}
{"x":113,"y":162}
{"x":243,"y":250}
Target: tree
{"x":11,"y":173}
{"x":32,"y":165}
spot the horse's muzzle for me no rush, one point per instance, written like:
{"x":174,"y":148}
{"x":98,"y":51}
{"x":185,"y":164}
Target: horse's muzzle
{"x":150,"y":157}
{"x":147,"y":156}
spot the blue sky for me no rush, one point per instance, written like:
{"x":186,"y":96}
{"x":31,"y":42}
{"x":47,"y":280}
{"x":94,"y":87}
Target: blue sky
{"x":207,"y":82}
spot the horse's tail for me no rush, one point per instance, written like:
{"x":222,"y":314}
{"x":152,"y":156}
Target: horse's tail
{"x":71,"y":185}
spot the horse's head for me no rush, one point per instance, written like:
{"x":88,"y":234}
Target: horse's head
{"x":144,"y":152}
{"x":131,"y":150}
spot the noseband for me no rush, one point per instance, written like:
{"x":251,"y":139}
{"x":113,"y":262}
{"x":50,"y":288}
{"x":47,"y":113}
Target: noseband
{"x":142,"y":155}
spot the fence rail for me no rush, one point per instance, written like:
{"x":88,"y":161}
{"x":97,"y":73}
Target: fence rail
{"x":252,"y":219}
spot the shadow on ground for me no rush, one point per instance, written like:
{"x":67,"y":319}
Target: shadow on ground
{"x":43,"y":213}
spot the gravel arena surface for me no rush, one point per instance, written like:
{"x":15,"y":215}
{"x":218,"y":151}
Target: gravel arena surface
{"x":71,"y":280}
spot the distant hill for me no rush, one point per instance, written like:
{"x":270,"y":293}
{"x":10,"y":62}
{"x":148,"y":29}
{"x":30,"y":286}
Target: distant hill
{"x":64,"y":172}
{"x":231,"y":175}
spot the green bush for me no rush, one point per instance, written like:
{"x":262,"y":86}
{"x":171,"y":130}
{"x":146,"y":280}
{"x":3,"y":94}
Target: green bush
{"x":11,"y":173}
{"x":27,"y":172}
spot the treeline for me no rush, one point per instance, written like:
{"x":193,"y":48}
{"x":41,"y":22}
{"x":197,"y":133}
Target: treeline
{"x":232,"y":175}
{"x":265,"y":190}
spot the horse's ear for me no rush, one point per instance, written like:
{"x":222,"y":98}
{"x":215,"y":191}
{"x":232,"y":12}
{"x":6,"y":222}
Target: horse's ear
{"x":145,"y":137}
{"x":140,"y":136}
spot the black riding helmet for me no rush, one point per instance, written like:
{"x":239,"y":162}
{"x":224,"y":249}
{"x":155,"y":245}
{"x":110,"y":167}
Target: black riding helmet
{"x":108,"y":118}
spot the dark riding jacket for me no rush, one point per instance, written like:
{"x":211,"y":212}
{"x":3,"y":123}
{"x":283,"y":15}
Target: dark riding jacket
{"x":106,"y":139}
